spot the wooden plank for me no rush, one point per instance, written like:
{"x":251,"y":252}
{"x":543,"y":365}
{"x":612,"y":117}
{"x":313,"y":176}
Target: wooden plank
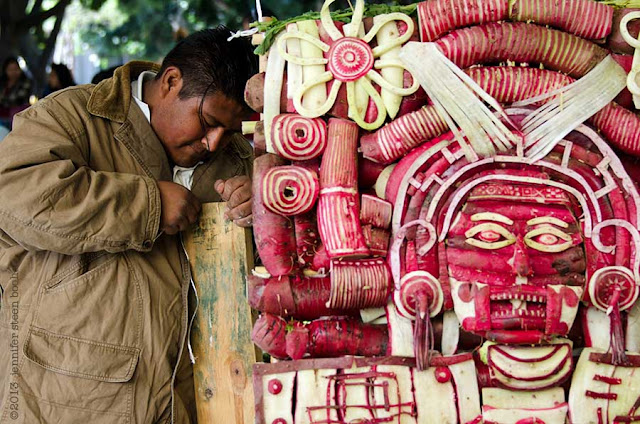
{"x":220,"y":254}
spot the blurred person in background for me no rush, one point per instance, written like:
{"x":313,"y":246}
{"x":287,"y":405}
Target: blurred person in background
{"x":104,"y":74}
{"x":59,"y":77}
{"x":15,"y":89}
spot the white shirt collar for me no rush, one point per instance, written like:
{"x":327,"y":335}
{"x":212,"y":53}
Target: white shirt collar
{"x":136,"y":92}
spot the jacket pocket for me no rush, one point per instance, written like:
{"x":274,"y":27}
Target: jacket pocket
{"x":82,"y":347}
{"x":81,"y":358}
{"x":101,"y":303}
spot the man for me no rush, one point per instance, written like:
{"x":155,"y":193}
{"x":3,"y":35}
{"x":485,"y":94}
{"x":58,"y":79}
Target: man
{"x":94,"y":322}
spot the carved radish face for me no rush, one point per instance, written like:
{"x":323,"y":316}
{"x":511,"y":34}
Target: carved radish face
{"x":516,"y":261}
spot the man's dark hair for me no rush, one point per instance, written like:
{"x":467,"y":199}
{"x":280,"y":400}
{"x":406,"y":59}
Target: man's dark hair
{"x":209,"y":63}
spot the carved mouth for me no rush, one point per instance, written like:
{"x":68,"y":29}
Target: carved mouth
{"x":525,"y":293}
{"x":546,"y":309}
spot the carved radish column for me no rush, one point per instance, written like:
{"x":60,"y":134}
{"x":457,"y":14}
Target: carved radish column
{"x":338,"y":208}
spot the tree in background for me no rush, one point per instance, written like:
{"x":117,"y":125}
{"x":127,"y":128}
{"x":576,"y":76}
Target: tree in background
{"x":123,"y":29}
{"x":152,"y":26}
{"x":29,"y":28}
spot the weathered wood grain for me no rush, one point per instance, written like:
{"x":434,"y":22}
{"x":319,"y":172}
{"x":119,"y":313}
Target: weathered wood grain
{"x":220,"y":254}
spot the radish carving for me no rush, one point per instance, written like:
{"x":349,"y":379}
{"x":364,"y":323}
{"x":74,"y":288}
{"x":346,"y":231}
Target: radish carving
{"x":290,"y":190}
{"x":502,"y":212}
{"x":359,"y":284}
{"x":298,"y":138}
{"x":338,"y":212}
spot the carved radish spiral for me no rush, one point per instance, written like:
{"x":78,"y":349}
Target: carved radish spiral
{"x":350,"y":59}
{"x":298,"y":138}
{"x":290,"y":190}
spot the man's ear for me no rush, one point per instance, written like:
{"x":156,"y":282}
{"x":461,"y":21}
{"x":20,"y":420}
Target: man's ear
{"x":171,"y":81}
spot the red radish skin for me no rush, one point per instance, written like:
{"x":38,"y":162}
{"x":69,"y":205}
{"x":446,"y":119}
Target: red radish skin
{"x":368,"y":172}
{"x":269,"y":334}
{"x":521,"y":42}
{"x":620,"y":126}
{"x":398,"y":137}
{"x":567,"y":15}
{"x":377,"y":240}
{"x":375,"y":211}
{"x":438,"y":17}
{"x":338,"y":209}
{"x":332,"y":337}
{"x":307,"y":237}
{"x":321,"y":261}
{"x":302,"y":298}
{"x":615,"y":42}
{"x":259,"y":141}
{"x":274,"y":234}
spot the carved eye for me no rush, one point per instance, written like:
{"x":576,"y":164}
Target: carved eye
{"x":548,"y":239}
{"x":490,"y":236}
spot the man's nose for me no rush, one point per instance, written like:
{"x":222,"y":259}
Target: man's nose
{"x":521,"y":265}
{"x":212,"y":138}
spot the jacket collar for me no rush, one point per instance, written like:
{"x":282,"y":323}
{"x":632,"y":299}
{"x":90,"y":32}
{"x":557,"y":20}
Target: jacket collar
{"x":111,"y":98}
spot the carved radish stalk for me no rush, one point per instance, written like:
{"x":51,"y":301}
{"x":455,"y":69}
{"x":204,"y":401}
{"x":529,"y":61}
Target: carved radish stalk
{"x":359,"y":284}
{"x":420,"y":297}
{"x":290,"y":190}
{"x":338,"y":214}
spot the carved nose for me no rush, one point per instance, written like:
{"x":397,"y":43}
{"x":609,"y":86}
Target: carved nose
{"x":521,"y":264}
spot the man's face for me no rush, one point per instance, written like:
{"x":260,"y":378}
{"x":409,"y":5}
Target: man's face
{"x":187,"y":135}
{"x":521,"y":255}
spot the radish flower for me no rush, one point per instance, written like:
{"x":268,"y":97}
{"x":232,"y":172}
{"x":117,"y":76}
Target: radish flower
{"x":350,"y":60}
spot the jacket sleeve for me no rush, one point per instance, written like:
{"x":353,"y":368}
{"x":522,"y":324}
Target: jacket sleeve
{"x":51,"y":200}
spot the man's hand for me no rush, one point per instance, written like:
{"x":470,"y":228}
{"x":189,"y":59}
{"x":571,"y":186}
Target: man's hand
{"x":236,"y":192}
{"x":180,"y":208}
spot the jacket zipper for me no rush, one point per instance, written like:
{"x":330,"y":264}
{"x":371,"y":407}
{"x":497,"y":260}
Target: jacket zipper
{"x":186,"y":322}
{"x":183,"y":331}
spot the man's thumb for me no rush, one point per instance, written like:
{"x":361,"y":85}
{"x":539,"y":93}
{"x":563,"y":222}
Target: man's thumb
{"x":219,"y":186}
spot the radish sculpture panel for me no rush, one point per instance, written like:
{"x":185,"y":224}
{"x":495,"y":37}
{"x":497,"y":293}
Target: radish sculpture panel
{"x":446,"y":210}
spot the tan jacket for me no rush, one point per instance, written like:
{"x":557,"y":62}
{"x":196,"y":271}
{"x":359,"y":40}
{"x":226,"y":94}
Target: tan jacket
{"x":93,"y":319}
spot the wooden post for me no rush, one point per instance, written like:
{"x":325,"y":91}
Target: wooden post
{"x":221,"y":255}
